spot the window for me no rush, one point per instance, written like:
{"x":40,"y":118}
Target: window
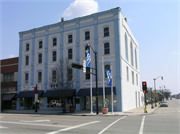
{"x":136,"y":58}
{"x":87,"y":35}
{"x":127,"y":71}
{"x":87,"y":48}
{"x":26,"y":78}
{"x":39,"y":77}
{"x":132,"y":61}
{"x":54,"y":76}
{"x":137,"y":79}
{"x":27,"y":60}
{"x":126,"y":47}
{"x":69,"y":74}
{"x":40,"y":44}
{"x":70,"y":38}
{"x":70,"y":53}
{"x":39,"y":58}
{"x":106,"y":31}
{"x":106,"y":67}
{"x":132,"y":77}
{"x":8,"y":77}
{"x":106,"y":48}
{"x":87,"y":73}
{"x":27,"y":47}
{"x":54,"y":56}
{"x":54,"y":41}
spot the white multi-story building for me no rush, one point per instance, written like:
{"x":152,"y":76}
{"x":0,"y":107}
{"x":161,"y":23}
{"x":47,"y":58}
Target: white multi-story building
{"x":108,"y":33}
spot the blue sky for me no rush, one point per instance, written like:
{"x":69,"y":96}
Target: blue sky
{"x":154,"y":23}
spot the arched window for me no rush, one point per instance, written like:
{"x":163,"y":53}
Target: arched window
{"x":87,"y":35}
{"x":39,"y":77}
{"x":87,"y":48}
{"x":54,"y":41}
{"x":54,"y":56}
{"x":106,"y":48}
{"x":136,"y":58}
{"x":70,"y":52}
{"x":27,"y":60}
{"x":70,"y":38}
{"x":27,"y":47}
{"x":53,"y":75}
{"x":39,"y":58}
{"x":106,"y":67}
{"x":40,"y":44}
{"x":106,"y":31}
{"x":132,"y":58}
{"x":126,"y":47}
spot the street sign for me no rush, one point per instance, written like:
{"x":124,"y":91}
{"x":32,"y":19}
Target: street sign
{"x":36,"y":97}
{"x":84,"y":66}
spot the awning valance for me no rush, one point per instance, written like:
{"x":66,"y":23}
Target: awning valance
{"x":86,"y":91}
{"x":60,"y":93}
{"x":29,"y":94}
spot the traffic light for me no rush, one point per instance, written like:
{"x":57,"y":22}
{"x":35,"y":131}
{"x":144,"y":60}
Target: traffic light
{"x":144,"y":87}
{"x":77,"y":66}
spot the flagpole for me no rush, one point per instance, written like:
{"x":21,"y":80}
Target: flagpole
{"x":112,"y":89}
{"x":103,"y":80}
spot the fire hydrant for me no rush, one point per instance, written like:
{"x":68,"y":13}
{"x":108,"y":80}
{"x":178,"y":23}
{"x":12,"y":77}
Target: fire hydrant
{"x":145,"y":110}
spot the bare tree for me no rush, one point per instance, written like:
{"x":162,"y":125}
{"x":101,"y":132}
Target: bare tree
{"x":63,"y":78}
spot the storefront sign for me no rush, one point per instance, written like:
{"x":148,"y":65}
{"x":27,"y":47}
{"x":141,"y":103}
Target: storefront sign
{"x":100,"y":84}
{"x":31,"y":88}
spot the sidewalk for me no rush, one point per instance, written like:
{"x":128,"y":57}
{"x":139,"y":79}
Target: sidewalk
{"x":134,"y":112}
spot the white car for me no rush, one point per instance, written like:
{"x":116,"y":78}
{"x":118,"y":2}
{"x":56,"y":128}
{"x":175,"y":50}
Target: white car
{"x":163,"y":104}
{"x":55,"y":103}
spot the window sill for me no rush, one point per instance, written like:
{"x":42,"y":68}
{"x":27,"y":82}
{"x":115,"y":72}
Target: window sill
{"x":105,"y":36}
{"x":107,"y":55}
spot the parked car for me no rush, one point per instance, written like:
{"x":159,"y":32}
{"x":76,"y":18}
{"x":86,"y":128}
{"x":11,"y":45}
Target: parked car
{"x":163,"y":104}
{"x":55,"y":103}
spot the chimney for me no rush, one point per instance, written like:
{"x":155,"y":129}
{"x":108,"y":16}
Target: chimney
{"x":125,"y":19}
{"x":62,"y":19}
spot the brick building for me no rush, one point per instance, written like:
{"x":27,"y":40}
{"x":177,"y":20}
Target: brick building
{"x":9,"y":77}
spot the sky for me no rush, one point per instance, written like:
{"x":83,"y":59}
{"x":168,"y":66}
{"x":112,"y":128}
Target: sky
{"x":154,"y":23}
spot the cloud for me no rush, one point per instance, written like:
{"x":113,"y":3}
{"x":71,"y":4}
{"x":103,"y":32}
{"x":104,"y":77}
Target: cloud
{"x":11,"y":56}
{"x":80,"y":8}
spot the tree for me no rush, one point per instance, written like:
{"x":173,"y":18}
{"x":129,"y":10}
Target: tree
{"x":63,"y":78}
{"x":164,"y":93}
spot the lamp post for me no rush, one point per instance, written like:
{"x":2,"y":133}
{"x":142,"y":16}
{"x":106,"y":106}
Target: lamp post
{"x":155,"y":87}
{"x":97,"y":112}
{"x":151,"y":98}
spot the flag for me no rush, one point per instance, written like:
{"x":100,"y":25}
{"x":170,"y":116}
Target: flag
{"x":88,"y":60}
{"x":109,"y":76}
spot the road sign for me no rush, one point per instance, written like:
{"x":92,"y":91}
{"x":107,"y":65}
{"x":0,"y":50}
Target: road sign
{"x":36,"y":97}
{"x":84,"y":66}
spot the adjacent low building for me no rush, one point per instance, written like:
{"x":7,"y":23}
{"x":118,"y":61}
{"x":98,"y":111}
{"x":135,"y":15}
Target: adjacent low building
{"x":109,"y":35}
{"x":9,"y":77}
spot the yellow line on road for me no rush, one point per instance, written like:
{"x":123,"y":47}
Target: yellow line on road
{"x":45,"y":118}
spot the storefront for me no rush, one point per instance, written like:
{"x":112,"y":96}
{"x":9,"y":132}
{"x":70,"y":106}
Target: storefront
{"x":9,"y":101}
{"x":85,"y":98}
{"x":27,"y":99}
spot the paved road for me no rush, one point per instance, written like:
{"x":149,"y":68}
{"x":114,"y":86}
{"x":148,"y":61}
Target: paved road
{"x":165,"y":120}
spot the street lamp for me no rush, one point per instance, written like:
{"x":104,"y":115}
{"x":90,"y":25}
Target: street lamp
{"x":155,"y":87}
{"x":151,"y":98}
{"x":97,"y":112}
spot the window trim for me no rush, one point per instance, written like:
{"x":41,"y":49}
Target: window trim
{"x":87,"y":35}
{"x":26,"y":78}
{"x":106,"y":32}
{"x":69,"y":54}
{"x":26,"y":61}
{"x":53,"y":41}
{"x":40,"y":77}
{"x":28,"y":47}
{"x":53,"y":56}
{"x":55,"y":75}
{"x":41,"y":44}
{"x":106,"y":48}
{"x":70,"y":38}
{"x":39,"y":58}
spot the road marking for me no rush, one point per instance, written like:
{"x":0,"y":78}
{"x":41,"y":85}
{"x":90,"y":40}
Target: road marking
{"x":47,"y":118}
{"x":178,"y":110}
{"x":34,"y":124}
{"x":66,"y":129}
{"x":142,"y":126}
{"x":3,"y":127}
{"x":35,"y":121}
{"x":111,"y":125}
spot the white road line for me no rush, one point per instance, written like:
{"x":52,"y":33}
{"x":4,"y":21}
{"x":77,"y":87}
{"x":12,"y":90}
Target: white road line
{"x":66,"y":129}
{"x":111,"y":125}
{"x":35,"y":121}
{"x":142,"y":126}
{"x":34,"y":124}
{"x":178,"y":110}
{"x":3,"y":127}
